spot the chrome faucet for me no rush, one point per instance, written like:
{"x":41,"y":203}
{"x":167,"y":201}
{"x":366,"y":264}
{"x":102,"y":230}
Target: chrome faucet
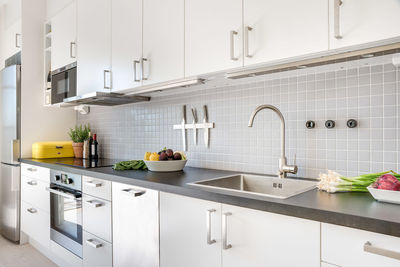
{"x":284,"y":168}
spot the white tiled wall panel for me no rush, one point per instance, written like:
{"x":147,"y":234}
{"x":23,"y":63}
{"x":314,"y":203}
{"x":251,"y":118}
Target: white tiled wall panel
{"x":364,"y":90}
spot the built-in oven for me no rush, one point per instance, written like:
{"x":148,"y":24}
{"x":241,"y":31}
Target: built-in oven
{"x":66,"y":210}
{"x":63,"y":83}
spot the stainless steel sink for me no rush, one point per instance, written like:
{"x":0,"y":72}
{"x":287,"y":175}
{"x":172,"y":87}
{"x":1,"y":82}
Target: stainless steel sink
{"x":255,"y":186}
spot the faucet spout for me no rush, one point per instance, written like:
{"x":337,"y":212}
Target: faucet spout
{"x":283,"y":167}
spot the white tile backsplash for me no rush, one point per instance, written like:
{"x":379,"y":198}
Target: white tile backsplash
{"x":367,"y":90}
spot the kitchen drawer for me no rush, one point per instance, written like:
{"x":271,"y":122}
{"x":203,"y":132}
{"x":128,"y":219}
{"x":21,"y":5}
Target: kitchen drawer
{"x":35,"y":172}
{"x":96,"y":251}
{"x":97,"y":217}
{"x":33,"y":191}
{"x":35,"y":223}
{"x":96,"y":187}
{"x":344,"y":246}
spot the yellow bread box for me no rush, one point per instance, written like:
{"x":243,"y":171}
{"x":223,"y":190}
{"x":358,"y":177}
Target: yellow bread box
{"x":56,"y":149}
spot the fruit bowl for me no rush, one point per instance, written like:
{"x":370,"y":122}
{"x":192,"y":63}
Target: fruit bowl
{"x":383,"y":195}
{"x":165,"y":166}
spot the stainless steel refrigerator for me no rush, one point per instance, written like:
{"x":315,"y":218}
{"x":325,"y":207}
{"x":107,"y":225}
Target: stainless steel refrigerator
{"x":10,"y":169}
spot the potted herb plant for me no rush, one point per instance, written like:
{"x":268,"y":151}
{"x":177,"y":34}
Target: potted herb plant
{"x":78,"y":135}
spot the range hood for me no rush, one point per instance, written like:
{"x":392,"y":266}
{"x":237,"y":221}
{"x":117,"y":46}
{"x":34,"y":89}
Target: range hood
{"x":385,"y":47}
{"x":105,"y":99}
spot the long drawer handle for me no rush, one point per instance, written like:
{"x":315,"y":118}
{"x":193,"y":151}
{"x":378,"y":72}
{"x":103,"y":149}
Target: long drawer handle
{"x":94,"y":243}
{"x":32,"y":210}
{"x":71,"y":48}
{"x":135,"y":62}
{"x":209,"y":240}
{"x":232,"y":45}
{"x":246,"y":41}
{"x":93,"y":183}
{"x":133,"y":192}
{"x":225,"y":244}
{"x":17,"y":37}
{"x":142,"y":68}
{"x":33,"y":182}
{"x":105,"y":73}
{"x":32,"y":169}
{"x":336,"y":14}
{"x":368,"y":247}
{"x":94,"y":203}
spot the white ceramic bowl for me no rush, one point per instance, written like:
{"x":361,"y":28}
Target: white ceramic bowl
{"x":385,"y":195}
{"x":165,"y":166}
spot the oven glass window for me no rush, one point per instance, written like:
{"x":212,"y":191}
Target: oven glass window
{"x":66,"y":215}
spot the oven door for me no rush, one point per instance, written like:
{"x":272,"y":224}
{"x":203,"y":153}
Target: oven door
{"x":66,"y":218}
{"x":63,"y":84}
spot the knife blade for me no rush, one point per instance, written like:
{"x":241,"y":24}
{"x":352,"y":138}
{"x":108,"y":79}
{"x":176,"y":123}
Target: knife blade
{"x":206,"y":130}
{"x":194,"y":126}
{"x":183,"y":128}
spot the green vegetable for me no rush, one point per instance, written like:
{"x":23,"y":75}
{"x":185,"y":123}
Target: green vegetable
{"x":333,"y":182}
{"x":130,"y":165}
{"x":79,"y":134}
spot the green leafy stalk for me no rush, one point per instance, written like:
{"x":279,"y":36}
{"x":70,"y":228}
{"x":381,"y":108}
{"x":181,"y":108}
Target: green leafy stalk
{"x":79,"y":134}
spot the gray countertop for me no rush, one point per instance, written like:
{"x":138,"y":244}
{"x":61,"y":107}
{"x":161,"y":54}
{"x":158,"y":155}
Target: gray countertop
{"x":358,"y":210}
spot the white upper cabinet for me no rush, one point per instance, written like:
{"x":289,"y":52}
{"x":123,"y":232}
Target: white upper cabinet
{"x":163,"y":40}
{"x":63,"y":37}
{"x":362,"y":21}
{"x":11,"y":41}
{"x":190,"y":232}
{"x":260,"y":239}
{"x":126,"y":43}
{"x":213,"y":36}
{"x":94,"y":46}
{"x":281,"y":29}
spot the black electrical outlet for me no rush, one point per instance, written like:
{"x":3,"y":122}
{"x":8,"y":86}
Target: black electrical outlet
{"x":330,"y":124}
{"x":352,"y":123}
{"x":310,"y":124}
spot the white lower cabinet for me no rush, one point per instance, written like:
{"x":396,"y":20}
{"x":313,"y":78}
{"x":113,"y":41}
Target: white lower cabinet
{"x":97,"y":217}
{"x":96,"y":251}
{"x":35,"y":223}
{"x":348,"y":247}
{"x":190,"y":232}
{"x":135,"y":226}
{"x":33,"y":191}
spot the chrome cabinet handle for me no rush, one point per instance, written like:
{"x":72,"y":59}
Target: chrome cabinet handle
{"x":94,"y":203}
{"x":142,"y":67}
{"x":225,"y":244}
{"x":17,"y":45}
{"x":246,"y":41}
{"x":32,"y":210}
{"x":135,"y":62}
{"x":209,"y":240}
{"x":336,"y":15}
{"x":104,"y":76}
{"x":71,"y":54}
{"x":33,"y":182}
{"x":93,"y":183}
{"x":368,"y":247}
{"x":94,"y":243}
{"x":32,"y":169}
{"x":133,"y":192}
{"x":232,"y":45}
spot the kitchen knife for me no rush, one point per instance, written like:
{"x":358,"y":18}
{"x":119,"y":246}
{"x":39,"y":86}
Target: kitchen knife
{"x":206,"y":130}
{"x":183,"y":128}
{"x":194,"y":126}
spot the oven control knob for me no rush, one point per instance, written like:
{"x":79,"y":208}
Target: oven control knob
{"x":58,"y":177}
{"x":69,"y":181}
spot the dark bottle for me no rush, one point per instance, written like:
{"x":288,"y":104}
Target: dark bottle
{"x":90,"y":141}
{"x":95,"y":153}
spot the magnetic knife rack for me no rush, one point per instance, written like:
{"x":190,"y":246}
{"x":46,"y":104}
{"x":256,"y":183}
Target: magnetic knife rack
{"x":205,"y":125}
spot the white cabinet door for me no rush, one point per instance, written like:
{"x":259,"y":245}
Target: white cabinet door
{"x":283,"y":29}
{"x":35,"y":223}
{"x":94,"y":46}
{"x":344,"y":246}
{"x":97,"y":217}
{"x":184,"y":232}
{"x":126,"y":43}
{"x":34,"y":192}
{"x":260,"y":239}
{"x":362,"y":21}
{"x":63,"y":38}
{"x":96,"y":252}
{"x":12,"y":39}
{"x":135,"y":226}
{"x":209,"y":27}
{"x":163,"y":40}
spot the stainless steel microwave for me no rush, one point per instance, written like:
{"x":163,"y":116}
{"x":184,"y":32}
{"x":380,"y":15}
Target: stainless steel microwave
{"x":63,"y":83}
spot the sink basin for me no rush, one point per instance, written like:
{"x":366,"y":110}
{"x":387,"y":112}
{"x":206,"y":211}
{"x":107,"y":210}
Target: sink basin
{"x":256,"y":186}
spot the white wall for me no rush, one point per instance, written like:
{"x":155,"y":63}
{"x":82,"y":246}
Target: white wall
{"x":38,"y":123}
